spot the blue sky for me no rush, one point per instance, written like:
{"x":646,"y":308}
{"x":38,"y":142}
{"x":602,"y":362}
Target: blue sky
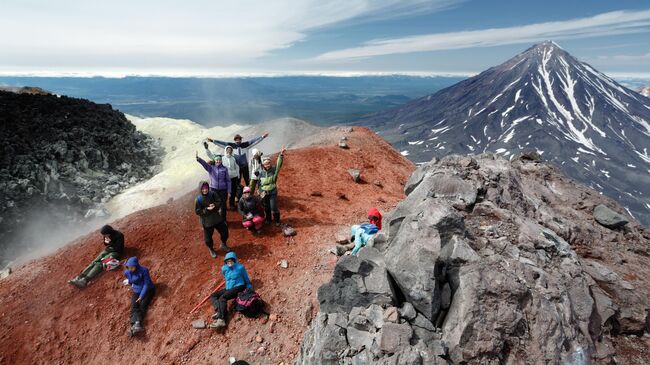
{"x":207,"y":37}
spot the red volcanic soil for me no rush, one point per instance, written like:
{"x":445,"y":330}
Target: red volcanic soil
{"x":46,"y":321}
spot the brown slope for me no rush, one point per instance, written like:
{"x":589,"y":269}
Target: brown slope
{"x":44,"y":320}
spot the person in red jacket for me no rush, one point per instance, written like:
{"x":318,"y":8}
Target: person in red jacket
{"x":374,"y":217}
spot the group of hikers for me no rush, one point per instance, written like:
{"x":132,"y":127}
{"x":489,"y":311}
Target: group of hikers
{"x":256,"y":201}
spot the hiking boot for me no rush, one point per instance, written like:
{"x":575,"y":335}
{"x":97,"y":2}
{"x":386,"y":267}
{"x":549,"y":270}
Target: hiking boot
{"x":276,"y":218}
{"x":219,"y":323}
{"x":135,"y":329}
{"x":79,"y":282}
{"x":216,"y":316}
{"x":224,"y":247}
{"x":213,"y":253}
{"x":340,"y":250}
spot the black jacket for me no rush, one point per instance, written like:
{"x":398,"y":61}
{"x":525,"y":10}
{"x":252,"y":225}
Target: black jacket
{"x":208,"y":218}
{"x":249,"y":205}
{"x":117,"y":242}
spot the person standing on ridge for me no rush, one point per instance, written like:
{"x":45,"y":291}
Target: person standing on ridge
{"x":240,"y":149}
{"x":206,"y":206}
{"x":255,"y":166}
{"x":230,"y":162}
{"x":143,"y":291}
{"x":268,"y":178}
{"x":249,"y":209}
{"x":219,"y":179}
{"x":113,"y":248}
{"x":237,"y":281}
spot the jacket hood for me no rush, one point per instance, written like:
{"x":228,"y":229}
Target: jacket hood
{"x":201,"y":186}
{"x":225,"y":149}
{"x":255,"y":151}
{"x":230,"y":255}
{"x":375,"y":212}
{"x":107,"y":229}
{"x":132,"y":261}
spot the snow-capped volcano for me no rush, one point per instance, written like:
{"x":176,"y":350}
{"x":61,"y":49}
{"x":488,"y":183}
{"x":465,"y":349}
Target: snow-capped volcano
{"x":595,"y":130}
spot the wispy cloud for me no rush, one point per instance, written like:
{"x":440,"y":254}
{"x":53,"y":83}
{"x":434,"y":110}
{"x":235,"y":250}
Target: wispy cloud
{"x":605,"y":24}
{"x":163,"y":34}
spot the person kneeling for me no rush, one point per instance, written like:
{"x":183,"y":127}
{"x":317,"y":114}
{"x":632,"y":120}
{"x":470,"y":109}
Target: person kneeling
{"x":250,"y":211}
{"x":237,"y":281}
{"x":143,"y":291}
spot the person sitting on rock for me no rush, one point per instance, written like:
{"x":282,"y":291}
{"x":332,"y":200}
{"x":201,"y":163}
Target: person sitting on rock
{"x":240,"y":149}
{"x":268,"y":178}
{"x":255,"y":166}
{"x":230,"y":163}
{"x":249,"y":209}
{"x":236,"y":280}
{"x":219,"y":179}
{"x":206,"y":206}
{"x":143,"y":291}
{"x":113,"y":248}
{"x":361,"y":233}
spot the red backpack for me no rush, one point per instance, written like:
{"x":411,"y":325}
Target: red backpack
{"x":249,"y":303}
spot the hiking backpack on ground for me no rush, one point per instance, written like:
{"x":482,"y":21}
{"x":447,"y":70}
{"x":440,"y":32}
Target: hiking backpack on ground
{"x":249,"y":303}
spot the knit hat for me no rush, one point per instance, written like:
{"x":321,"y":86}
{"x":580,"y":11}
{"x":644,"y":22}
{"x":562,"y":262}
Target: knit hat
{"x":246,"y":189}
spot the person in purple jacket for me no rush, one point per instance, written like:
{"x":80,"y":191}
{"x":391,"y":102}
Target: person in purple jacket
{"x":143,"y":291}
{"x":239,"y":151}
{"x":219,"y":179}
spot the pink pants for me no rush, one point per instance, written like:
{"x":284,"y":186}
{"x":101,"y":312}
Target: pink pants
{"x":257,"y":221}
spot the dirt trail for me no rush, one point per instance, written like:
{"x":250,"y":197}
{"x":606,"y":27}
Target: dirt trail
{"x":43,"y":320}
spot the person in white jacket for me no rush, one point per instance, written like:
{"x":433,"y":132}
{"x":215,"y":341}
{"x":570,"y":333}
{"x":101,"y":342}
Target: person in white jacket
{"x":255,"y":166}
{"x":229,"y":161}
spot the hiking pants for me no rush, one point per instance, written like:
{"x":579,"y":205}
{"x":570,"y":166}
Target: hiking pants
{"x":243,"y":172}
{"x":222,"y":228}
{"x":96,"y":267}
{"x":139,"y":310}
{"x":234,"y":191}
{"x":221,"y":297}
{"x":270,"y":203}
{"x":256,"y":222}
{"x":223,"y":196}
{"x":253,"y":185}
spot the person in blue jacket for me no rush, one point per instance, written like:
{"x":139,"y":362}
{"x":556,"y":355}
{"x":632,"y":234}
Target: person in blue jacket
{"x":143,"y":291}
{"x":237,"y":281}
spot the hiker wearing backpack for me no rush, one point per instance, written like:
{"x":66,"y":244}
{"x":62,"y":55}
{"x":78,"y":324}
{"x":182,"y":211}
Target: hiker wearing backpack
{"x":236,"y":280}
{"x":230,"y":163}
{"x":206,"y":206}
{"x":361,"y":233}
{"x":113,"y":248}
{"x":249,"y":209}
{"x":239,"y":150}
{"x":143,"y":291}
{"x":255,"y":166}
{"x":219,"y":179}
{"x":268,"y":178}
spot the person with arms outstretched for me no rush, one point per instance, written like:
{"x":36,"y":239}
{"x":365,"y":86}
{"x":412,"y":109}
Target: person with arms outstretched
{"x":219,"y":179}
{"x":268,"y":179}
{"x":240,"y":148}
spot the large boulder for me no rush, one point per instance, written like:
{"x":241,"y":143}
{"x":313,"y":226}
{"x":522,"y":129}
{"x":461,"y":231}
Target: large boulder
{"x":609,"y":218}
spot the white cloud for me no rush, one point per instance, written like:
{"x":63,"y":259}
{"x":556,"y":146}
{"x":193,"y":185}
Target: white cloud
{"x":605,"y":24}
{"x":153,"y":35}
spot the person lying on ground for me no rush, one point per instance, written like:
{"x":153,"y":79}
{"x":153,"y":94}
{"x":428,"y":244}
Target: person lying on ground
{"x":249,"y":209}
{"x":240,"y":149}
{"x":236,"y":280}
{"x":230,"y":163}
{"x":255,"y":166}
{"x":268,"y":179}
{"x":219,"y":179}
{"x":113,"y":249}
{"x":143,"y":291}
{"x":362,"y":233}
{"x":206,"y":206}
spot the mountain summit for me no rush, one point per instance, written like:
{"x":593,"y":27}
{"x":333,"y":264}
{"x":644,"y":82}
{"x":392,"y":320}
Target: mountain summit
{"x":595,"y":130}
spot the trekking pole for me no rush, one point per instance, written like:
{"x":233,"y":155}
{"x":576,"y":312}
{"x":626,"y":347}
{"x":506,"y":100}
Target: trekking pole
{"x":206,"y":298}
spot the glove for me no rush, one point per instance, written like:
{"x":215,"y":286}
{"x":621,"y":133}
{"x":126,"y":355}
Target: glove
{"x":205,"y":144}
{"x":125,"y":282}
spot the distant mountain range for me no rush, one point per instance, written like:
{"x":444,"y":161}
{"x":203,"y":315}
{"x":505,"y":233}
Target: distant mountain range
{"x":594,"y":129}
{"x":322,"y":100}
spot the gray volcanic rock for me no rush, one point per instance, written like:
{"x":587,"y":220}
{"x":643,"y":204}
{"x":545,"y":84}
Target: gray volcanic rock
{"x":608,"y":217}
{"x":595,"y":130}
{"x":510,"y":279}
{"x":60,"y":159}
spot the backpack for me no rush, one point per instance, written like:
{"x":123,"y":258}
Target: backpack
{"x":249,"y":303}
{"x":110,"y":263}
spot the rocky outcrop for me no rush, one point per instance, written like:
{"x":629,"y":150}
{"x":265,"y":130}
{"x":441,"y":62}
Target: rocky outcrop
{"x":61,"y":158}
{"x":485,"y":262}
